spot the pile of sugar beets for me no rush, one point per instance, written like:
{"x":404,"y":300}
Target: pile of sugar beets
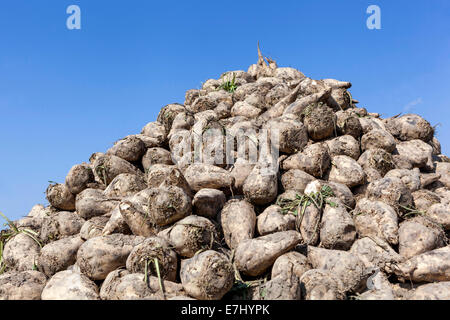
{"x":358,"y":207}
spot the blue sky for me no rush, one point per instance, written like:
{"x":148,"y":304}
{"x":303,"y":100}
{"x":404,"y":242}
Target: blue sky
{"x":65,"y":94}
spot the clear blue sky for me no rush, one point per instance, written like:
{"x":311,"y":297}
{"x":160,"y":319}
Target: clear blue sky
{"x":65,"y":94}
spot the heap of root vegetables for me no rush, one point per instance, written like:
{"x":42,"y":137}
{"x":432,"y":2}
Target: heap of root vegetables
{"x":357,"y":207}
